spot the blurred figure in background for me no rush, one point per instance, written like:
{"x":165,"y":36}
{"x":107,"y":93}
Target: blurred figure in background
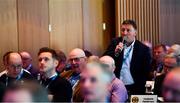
{"x":27,"y":63}
{"x":117,"y":90}
{"x":27,"y":92}
{"x":95,"y":81}
{"x":62,"y":62}
{"x":93,"y":58}
{"x":148,"y":44}
{"x":77,"y":60}
{"x":171,"y":86}
{"x":175,"y":48}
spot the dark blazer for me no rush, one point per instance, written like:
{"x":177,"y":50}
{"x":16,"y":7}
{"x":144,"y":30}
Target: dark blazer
{"x":25,"y":76}
{"x":158,"y":84}
{"x":34,"y":71}
{"x":139,"y":67}
{"x":60,"y":88}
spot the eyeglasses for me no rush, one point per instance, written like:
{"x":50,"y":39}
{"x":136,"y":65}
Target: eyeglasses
{"x":77,"y":59}
{"x":16,"y":66}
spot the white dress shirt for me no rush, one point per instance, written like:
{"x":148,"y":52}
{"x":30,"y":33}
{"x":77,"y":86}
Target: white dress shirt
{"x":125,"y":74}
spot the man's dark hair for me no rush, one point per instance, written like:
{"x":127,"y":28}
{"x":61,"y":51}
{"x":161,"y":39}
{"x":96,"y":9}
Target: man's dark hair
{"x":87,"y":53}
{"x":130,"y":22}
{"x":61,"y":56}
{"x":46,"y":49}
{"x":160,"y":45}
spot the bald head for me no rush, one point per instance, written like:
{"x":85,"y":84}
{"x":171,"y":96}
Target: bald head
{"x":109,"y":61}
{"x":26,"y":59}
{"x":77,"y":53}
{"x":25,"y":54}
{"x":77,"y":59}
{"x":14,"y":64}
{"x":14,"y":58}
{"x":171,"y":86}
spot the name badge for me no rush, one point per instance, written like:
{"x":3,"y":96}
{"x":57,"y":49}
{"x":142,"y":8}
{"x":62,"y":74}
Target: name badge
{"x":143,"y":98}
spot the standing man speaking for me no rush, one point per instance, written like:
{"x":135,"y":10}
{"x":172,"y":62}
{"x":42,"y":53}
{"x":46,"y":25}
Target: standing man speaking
{"x":132,"y":58}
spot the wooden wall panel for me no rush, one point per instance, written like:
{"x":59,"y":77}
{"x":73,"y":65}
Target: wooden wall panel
{"x":169,"y":21}
{"x":33,"y":25}
{"x":146,"y":15}
{"x":92,"y":24}
{"x":66,"y":20}
{"x":8,"y":29}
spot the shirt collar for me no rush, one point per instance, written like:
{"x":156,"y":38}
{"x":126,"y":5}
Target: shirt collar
{"x":55,"y":74}
{"x":132,"y":44}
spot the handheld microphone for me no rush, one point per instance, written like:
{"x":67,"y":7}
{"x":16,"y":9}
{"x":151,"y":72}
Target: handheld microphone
{"x":120,"y":49}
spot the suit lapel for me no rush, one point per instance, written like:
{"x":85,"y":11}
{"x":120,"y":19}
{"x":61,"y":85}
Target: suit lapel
{"x":134,"y":57}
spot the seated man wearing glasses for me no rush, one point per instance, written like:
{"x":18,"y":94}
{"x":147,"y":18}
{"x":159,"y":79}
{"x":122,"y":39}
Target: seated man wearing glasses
{"x":77,"y":60}
{"x":15,"y":72}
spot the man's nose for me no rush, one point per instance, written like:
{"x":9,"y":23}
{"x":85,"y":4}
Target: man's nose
{"x":86,"y":84}
{"x":156,"y":53}
{"x":73,"y":61}
{"x":124,"y":32}
{"x":42,"y":61}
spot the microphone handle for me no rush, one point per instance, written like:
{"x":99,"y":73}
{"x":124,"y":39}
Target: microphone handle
{"x":119,"y":50}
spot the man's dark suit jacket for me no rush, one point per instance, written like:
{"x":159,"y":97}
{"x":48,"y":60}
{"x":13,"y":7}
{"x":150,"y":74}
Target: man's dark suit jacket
{"x":60,"y":88}
{"x":139,"y":67}
{"x":34,"y":71}
{"x":158,"y":84}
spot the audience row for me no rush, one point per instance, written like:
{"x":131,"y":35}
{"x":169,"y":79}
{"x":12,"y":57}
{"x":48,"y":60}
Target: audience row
{"x":122,"y":71}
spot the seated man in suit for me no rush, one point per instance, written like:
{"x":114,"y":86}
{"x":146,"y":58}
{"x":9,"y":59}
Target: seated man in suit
{"x":77,"y":59}
{"x":132,"y":58}
{"x":171,"y":86}
{"x":15,"y":72}
{"x":159,"y":52}
{"x":117,"y":90}
{"x":95,"y":81}
{"x":59,"y":89}
{"x":27,"y":63}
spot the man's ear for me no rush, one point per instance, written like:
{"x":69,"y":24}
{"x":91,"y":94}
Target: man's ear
{"x":135,"y":32}
{"x":56,"y":62}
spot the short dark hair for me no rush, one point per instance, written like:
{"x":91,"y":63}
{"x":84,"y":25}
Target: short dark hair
{"x":160,"y":45}
{"x":87,"y":53}
{"x":130,"y":22}
{"x":46,"y":49}
{"x":61,"y":56}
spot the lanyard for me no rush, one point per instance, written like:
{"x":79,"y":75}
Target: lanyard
{"x":52,"y":79}
{"x":127,"y":54}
